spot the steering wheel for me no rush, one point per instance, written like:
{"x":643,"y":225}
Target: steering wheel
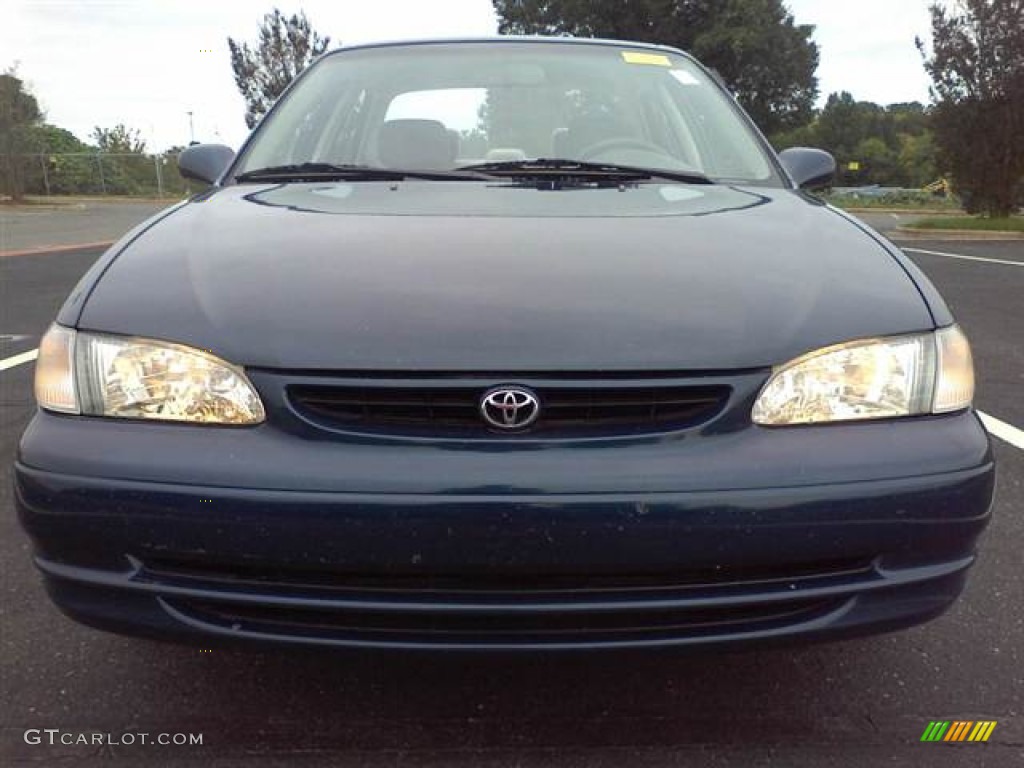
{"x":622,"y":142}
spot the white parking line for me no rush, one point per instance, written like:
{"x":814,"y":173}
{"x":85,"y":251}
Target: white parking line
{"x":1005,"y":262}
{"x":1002,"y":430}
{"x":14,"y":362}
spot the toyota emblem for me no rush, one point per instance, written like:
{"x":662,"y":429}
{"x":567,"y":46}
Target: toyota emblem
{"x":509,"y":407}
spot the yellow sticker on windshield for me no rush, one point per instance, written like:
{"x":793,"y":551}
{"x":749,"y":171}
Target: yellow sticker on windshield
{"x":639,"y":57}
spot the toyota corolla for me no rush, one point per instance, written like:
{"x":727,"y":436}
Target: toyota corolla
{"x":504,"y":344}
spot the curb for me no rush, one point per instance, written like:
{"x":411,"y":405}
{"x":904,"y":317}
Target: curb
{"x":954,"y":235}
{"x":42,"y":250}
{"x":915,"y":212}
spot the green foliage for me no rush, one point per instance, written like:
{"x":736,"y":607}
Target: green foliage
{"x":844,"y":123}
{"x":802,"y":136}
{"x":767,"y":59}
{"x":19,"y":114}
{"x":909,"y":118}
{"x":119,"y":139}
{"x":123,"y":166}
{"x":908,"y":199}
{"x":63,"y":164}
{"x":285,"y":47}
{"x":894,"y":146}
{"x":918,"y":158}
{"x":59,"y":163}
{"x":48,"y":138}
{"x":977,"y":71}
{"x":875,"y":154}
{"x":973,"y":223}
{"x":42,"y":159}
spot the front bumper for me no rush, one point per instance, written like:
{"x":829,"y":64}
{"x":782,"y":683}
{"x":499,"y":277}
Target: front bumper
{"x":505,"y":567}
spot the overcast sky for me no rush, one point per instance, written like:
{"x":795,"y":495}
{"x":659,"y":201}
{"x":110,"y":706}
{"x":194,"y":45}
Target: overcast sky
{"x":147,"y":63}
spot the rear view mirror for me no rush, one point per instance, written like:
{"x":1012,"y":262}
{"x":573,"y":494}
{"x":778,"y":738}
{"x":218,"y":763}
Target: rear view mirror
{"x":809,"y":168}
{"x":205,"y":162}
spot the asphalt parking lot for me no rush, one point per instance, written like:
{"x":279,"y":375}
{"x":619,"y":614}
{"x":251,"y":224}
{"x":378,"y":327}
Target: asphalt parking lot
{"x":857,"y":703}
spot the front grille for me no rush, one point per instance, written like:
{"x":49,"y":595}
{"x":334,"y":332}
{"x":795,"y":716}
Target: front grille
{"x":432,"y":408}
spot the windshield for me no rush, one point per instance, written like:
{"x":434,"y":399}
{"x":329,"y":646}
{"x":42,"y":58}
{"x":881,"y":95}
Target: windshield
{"x":445,"y":106}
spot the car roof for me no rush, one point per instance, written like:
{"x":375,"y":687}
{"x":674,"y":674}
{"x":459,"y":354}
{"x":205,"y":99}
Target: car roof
{"x":505,"y":39}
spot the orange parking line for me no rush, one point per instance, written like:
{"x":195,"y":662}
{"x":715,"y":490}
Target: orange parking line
{"x":954,"y":731}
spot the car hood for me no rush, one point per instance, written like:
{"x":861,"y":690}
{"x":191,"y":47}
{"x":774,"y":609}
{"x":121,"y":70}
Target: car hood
{"x":448,"y":276}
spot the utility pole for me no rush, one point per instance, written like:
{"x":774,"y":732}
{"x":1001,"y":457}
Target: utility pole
{"x":191,"y":129}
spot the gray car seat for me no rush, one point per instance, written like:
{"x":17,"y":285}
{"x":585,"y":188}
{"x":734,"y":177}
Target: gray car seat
{"x":416,"y":145}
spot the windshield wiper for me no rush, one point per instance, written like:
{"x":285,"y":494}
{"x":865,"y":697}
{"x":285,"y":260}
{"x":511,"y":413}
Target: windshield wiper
{"x":330,"y":171}
{"x":539,"y":168}
{"x":548,"y":168}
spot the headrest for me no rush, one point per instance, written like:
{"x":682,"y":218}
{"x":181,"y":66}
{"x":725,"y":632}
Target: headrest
{"x":416,"y":144}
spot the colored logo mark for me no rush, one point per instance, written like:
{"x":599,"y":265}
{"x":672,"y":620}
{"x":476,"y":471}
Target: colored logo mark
{"x":958,"y":730}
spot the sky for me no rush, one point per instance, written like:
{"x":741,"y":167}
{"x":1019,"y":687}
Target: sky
{"x":867,"y":47}
{"x":148,"y":63}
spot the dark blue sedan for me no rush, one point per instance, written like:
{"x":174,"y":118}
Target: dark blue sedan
{"x":504,"y":344}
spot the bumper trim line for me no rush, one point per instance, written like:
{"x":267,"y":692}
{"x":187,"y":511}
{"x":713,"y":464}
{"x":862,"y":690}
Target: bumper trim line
{"x":879,"y":580}
{"x":819,"y":622}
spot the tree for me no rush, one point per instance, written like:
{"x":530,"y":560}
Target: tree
{"x":119,"y":140}
{"x":124,"y":168}
{"x":844,"y":123}
{"x":63,"y":164}
{"x":286,"y":46}
{"x":767,"y":59}
{"x":977,"y":71}
{"x":877,"y":161}
{"x":910,"y":117}
{"x":19,"y":113}
{"x":918,"y":159}
{"x":891,"y":146}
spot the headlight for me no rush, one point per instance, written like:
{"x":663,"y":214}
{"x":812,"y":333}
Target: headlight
{"x":871,"y":379}
{"x":99,"y":375}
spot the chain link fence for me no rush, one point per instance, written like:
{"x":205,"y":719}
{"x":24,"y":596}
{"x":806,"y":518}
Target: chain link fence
{"x":103,"y":173}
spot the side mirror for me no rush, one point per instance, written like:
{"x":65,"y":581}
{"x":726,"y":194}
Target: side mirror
{"x":809,"y":168}
{"x":205,"y":162}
